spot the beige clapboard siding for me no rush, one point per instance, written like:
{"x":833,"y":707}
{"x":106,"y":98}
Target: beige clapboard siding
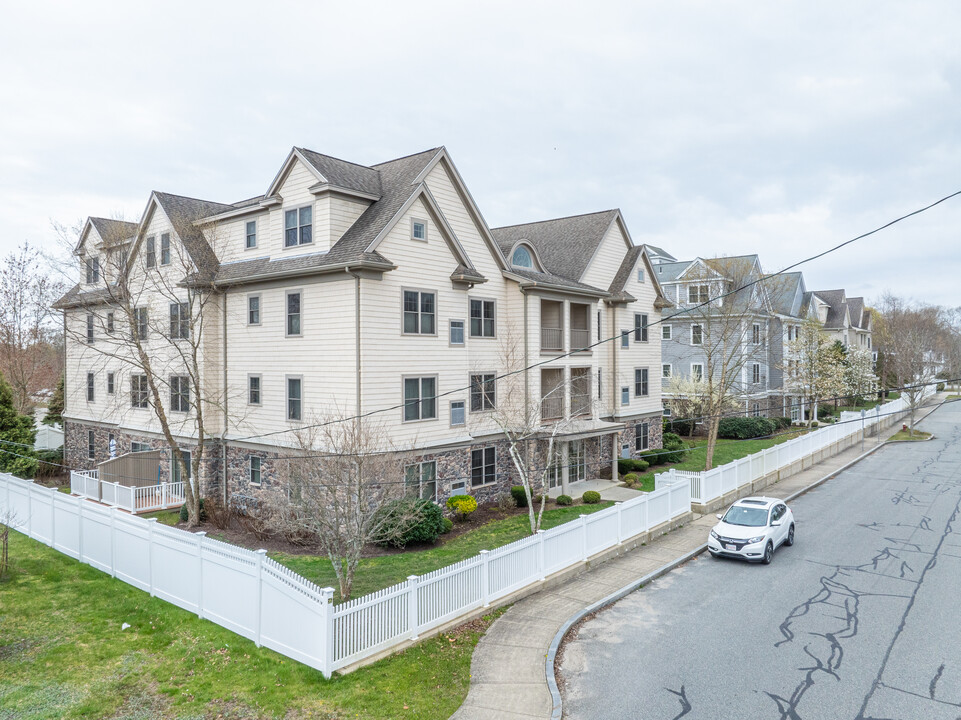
{"x":343,"y":212}
{"x":228,"y":238}
{"x":295,"y":194}
{"x":323,"y":355}
{"x":607,"y":258}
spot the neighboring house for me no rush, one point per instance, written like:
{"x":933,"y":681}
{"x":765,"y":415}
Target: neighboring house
{"x":791,"y":306}
{"x":845,"y":319}
{"x":347,"y":289}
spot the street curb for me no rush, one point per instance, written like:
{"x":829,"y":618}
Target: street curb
{"x":558,"y":705}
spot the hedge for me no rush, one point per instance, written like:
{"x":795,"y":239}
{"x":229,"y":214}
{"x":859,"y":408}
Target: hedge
{"x":743,"y":428}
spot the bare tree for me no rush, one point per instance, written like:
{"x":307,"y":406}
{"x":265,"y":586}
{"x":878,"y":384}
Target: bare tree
{"x":29,"y":339}
{"x":728,"y":301}
{"x":335,"y":484}
{"x":689,"y":400}
{"x":155,"y":318}
{"x":8,"y":520}
{"x":913,"y":338}
{"x":812,"y":368}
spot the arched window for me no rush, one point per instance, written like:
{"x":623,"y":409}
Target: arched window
{"x":522,"y":258}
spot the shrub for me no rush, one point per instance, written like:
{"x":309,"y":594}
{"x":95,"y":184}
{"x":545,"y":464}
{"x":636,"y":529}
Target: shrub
{"x":591,"y":497}
{"x":783,"y":423}
{"x":50,"y":462}
{"x":674,"y":449}
{"x":742,"y":428}
{"x":681,"y":427}
{"x":631,"y":479}
{"x":519,"y":495}
{"x":448,"y":526}
{"x":505,"y":502}
{"x":184,"y":514}
{"x":461,"y":505}
{"x":409,"y":520}
{"x":825,"y":411}
{"x":565,"y":500}
{"x":218,"y":513}
{"x":814,"y":424}
{"x":940,"y":387}
{"x":627,"y":465}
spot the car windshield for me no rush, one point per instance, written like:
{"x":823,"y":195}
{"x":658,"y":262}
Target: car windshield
{"x":749,"y":516}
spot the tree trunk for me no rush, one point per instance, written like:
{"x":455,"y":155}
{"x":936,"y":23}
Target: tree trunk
{"x":712,"y":429}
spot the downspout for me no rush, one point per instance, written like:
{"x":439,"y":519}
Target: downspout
{"x":527,"y":379}
{"x":357,"y":389}
{"x":223,"y":429}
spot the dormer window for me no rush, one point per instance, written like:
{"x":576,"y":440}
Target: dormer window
{"x":93,"y":270}
{"x":418,"y":230}
{"x":165,"y":249}
{"x":297,"y":227}
{"x":151,"y":254}
{"x":640,"y":276}
{"x":522,"y":258}
{"x":251,"y":234}
{"x":697,"y":294}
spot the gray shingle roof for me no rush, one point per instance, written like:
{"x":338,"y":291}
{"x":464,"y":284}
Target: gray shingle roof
{"x":112,"y":231}
{"x":836,"y":308}
{"x":343,"y":173}
{"x":183,"y":212}
{"x":783,"y":291}
{"x":856,"y":311}
{"x":666,"y":272}
{"x":74,"y":297}
{"x":564,"y":245}
{"x":624,"y":271}
{"x":655,"y":251}
{"x":556,"y":280}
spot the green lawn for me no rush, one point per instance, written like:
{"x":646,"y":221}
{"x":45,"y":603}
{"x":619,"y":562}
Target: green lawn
{"x":868,"y":405}
{"x":724,"y":452}
{"x":63,"y":655}
{"x":908,"y":436}
{"x":380,"y":572}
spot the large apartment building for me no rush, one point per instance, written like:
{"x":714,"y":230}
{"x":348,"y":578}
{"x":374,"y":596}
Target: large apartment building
{"x":348,"y":290}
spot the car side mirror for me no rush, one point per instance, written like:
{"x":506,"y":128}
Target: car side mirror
{"x":775,"y":523}
{"x":718,"y":516}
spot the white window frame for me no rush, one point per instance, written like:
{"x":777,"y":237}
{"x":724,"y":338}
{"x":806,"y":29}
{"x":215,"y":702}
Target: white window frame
{"x":298,"y":227}
{"x":667,"y":332}
{"x":667,"y":371}
{"x":287,"y":398}
{"x":260,"y":308}
{"x":91,"y":445}
{"x":250,"y":470}
{"x":142,"y":391}
{"x":177,"y":398}
{"x":111,"y":383}
{"x":90,"y":326}
{"x":484,"y":465}
{"x":91,"y":387}
{"x":625,"y":395}
{"x":642,"y":436}
{"x":641,"y":332}
{"x":247,"y":234}
{"x":755,"y":333}
{"x":700,"y":329}
{"x":188,"y":459}
{"x":142,"y":318}
{"x":644,"y":382}
{"x":287,"y":313}
{"x":419,"y":468}
{"x":150,"y":252}
{"x":110,"y":323}
{"x":698,"y":297}
{"x":182,"y":329}
{"x":420,"y":398}
{"x":93,"y":270}
{"x":625,"y":339}
{"x":700,"y":371}
{"x":640,"y":275}
{"x":413,"y":224}
{"x":463,"y":333}
{"x":165,"y":248}
{"x":260,"y":389}
{"x":488,"y":401}
{"x":755,"y":373}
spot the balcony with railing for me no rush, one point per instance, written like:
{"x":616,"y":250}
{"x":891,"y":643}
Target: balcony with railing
{"x":580,"y":392}
{"x":580,"y":326}
{"x":552,"y":326}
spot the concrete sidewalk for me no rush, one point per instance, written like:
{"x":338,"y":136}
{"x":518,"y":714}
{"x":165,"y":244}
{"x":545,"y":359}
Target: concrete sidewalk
{"x":508,"y":678}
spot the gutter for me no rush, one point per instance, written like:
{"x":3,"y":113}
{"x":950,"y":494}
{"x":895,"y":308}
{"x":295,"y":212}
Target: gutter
{"x":322,"y":270}
{"x":357,"y":346}
{"x":223,"y":429}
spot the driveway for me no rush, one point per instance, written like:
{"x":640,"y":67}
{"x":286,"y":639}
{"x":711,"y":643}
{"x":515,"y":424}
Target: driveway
{"x":860,"y":619}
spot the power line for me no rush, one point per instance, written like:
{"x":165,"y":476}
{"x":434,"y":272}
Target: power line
{"x":554,"y":358}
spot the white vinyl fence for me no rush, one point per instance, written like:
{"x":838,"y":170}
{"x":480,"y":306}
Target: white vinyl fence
{"x":255,"y":597}
{"x":159,"y":496}
{"x":712,"y":484}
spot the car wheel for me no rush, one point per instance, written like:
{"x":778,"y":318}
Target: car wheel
{"x":768,"y":554}
{"x":790,"y":536}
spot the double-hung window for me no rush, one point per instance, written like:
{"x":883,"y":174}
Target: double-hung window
{"x":755,"y":373}
{"x":483,"y":466}
{"x":667,"y":370}
{"x":456,"y":332}
{"x":90,"y":327}
{"x":138,"y":391}
{"x":420,"y":480}
{"x":179,"y":321}
{"x":110,"y":323}
{"x":253,"y":309}
{"x":457,"y":415}
{"x":697,"y":335}
{"x":297,"y":227}
{"x":420,"y":398}
{"x":176,"y":474}
{"x":482,"y":392}
{"x":293,"y":313}
{"x":625,"y":338}
{"x":150,"y":257}
{"x":254,"y":462}
{"x":180,"y":393}
{"x":642,"y":436}
{"x":141,"y":319}
{"x":666,"y":332}
{"x":110,"y":383}
{"x":165,"y":249}
{"x":93,"y":270}
{"x":420,"y":313}
{"x":625,"y":395}
{"x":697,"y":372}
{"x":755,"y":334}
{"x":295,"y":398}
{"x":253,"y":389}
{"x":482,"y":318}
{"x":640,"y":382}
{"x":640,"y":327}
{"x":697,"y":294}
{"x":251,"y":238}
{"x":91,"y":445}
{"x":90,"y":387}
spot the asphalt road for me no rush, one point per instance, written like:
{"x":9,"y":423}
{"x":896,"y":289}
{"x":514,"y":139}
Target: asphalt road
{"x":860,"y":619}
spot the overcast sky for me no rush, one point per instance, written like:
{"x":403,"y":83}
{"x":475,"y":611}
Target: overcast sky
{"x":718,"y":128}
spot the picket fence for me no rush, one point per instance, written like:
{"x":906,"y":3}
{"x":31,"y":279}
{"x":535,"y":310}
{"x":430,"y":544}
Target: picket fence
{"x":252,"y":595}
{"x":709,"y":485}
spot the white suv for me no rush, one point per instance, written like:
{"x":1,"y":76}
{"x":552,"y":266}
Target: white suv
{"x":752,"y":529}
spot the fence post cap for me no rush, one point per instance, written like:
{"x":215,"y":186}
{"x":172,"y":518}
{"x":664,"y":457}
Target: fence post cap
{"x":153,"y":520}
{"x":483,"y":552}
{"x":544,"y":531}
{"x":618,"y":503}
{"x":328,"y":594}
{"x":411,"y":578}
{"x":201,"y":533}
{"x":261,"y":551}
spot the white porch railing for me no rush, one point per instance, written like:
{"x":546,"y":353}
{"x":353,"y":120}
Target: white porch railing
{"x":161,"y":496}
